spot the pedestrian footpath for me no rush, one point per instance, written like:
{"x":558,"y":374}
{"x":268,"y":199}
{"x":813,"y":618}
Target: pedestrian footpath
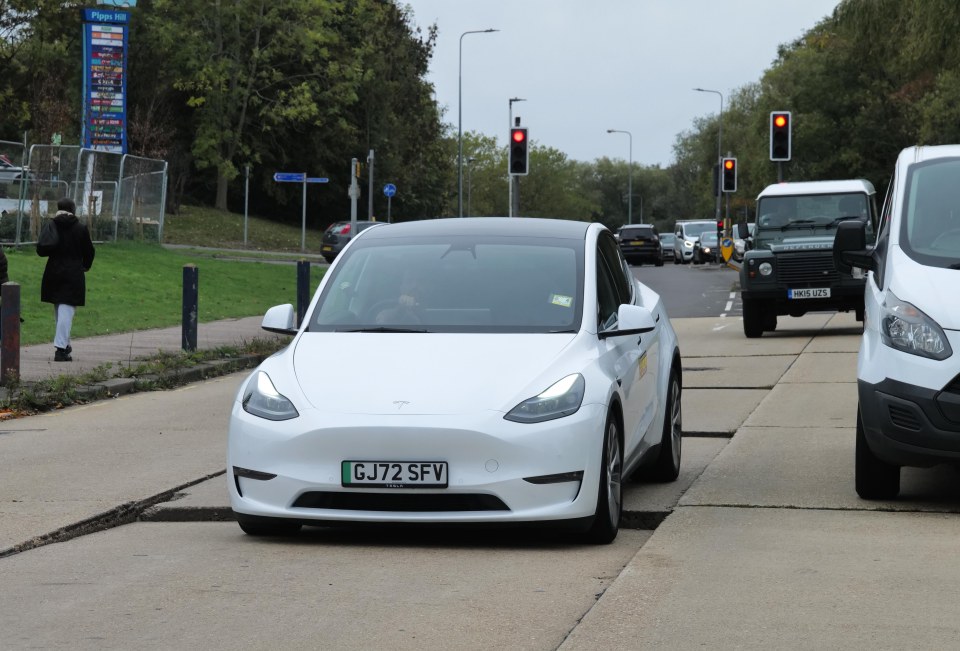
{"x":36,"y":362}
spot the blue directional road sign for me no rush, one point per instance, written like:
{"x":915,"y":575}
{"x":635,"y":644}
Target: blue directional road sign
{"x":289,"y":177}
{"x":317,"y":179}
{"x":389,"y":190}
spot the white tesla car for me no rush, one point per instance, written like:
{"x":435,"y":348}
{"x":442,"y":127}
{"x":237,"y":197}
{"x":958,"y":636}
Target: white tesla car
{"x":487,"y":370}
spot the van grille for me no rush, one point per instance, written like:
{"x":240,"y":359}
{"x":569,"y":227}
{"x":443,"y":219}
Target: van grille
{"x":807,"y":269}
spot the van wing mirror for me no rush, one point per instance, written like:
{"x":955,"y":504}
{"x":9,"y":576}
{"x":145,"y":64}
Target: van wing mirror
{"x":850,"y":248}
{"x":743,"y":230}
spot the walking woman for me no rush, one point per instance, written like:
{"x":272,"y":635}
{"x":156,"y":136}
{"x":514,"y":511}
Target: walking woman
{"x":69,"y":250}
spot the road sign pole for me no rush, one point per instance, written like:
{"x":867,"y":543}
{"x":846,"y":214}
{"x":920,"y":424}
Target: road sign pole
{"x":354,"y":193}
{"x":389,"y":201}
{"x":303,"y":228}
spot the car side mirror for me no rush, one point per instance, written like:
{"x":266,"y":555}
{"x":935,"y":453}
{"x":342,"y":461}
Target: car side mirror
{"x":280,"y":319}
{"x":631,"y":320}
{"x":850,"y":248}
{"x":743,"y":230}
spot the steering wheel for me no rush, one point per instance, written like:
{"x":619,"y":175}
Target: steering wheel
{"x":946,"y":236}
{"x":399,"y":313}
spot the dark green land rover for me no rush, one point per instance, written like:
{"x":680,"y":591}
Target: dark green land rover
{"x":788,"y":269}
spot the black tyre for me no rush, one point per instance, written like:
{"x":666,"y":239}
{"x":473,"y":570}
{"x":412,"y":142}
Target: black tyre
{"x":667,"y":467}
{"x":753,"y":318}
{"x":659,"y":262}
{"x":875,"y":479}
{"x":769,"y":322}
{"x":676,"y":260}
{"x":254,"y":525}
{"x":606,"y":518}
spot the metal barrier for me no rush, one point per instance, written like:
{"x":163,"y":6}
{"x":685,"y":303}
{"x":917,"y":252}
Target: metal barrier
{"x":118,"y":196}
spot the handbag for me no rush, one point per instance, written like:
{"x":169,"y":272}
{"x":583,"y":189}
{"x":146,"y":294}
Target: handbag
{"x":49,"y":238}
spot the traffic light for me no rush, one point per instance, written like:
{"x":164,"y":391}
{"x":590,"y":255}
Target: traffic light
{"x":729,"y":167}
{"x":780,"y":137}
{"x":519,"y":155}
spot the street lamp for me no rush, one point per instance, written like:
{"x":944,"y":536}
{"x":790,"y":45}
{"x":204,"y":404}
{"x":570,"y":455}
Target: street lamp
{"x":460,"y":120}
{"x":510,"y":176}
{"x":469,"y":183}
{"x":629,"y":178}
{"x":719,"y":142}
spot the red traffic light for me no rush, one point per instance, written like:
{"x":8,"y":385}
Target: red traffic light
{"x":728,"y":164}
{"x":780,"y":121}
{"x":519,"y":135}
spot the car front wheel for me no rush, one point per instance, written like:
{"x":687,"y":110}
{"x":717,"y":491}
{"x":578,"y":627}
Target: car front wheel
{"x":606,"y":518}
{"x":875,"y":479}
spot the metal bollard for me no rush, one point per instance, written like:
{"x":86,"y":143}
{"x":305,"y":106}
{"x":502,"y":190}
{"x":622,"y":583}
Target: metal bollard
{"x":303,"y":289}
{"x":9,"y":333}
{"x":188,"y":339}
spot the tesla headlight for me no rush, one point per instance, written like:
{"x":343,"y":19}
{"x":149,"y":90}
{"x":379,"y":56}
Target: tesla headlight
{"x":765,"y":268}
{"x":561,"y":399}
{"x":903,"y":327}
{"x":262,"y":399}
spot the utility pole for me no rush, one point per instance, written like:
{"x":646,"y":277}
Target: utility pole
{"x":370,"y":185}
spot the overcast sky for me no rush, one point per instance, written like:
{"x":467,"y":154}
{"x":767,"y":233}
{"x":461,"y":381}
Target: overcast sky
{"x":587,"y":66}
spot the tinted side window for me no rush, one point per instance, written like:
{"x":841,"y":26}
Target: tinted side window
{"x":607,"y":300}
{"x":609,"y":252}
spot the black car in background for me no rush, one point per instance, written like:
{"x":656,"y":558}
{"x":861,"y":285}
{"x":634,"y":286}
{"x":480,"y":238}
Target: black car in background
{"x":640,"y":243}
{"x":706,"y":249}
{"x":337,"y":235}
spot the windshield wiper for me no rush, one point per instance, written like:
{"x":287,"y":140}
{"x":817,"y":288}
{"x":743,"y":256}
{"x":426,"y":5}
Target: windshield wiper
{"x":843,"y":218}
{"x":799,"y":223}
{"x":382,"y":329}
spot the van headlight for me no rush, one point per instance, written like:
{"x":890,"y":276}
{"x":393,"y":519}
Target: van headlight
{"x":765,"y":268}
{"x":905,"y":328}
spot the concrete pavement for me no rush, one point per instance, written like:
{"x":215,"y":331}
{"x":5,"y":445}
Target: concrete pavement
{"x":762,"y":542}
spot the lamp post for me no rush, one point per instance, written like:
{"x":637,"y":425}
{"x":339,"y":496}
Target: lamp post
{"x":719,"y":143}
{"x":460,"y":120}
{"x":469,"y":183}
{"x":509,"y":175}
{"x":629,"y":177}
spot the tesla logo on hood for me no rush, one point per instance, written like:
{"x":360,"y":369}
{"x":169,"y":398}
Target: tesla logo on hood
{"x":400,"y":404}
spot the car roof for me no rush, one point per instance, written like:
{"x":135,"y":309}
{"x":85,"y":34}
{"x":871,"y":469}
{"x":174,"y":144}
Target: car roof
{"x":817,"y":187}
{"x":481,"y":226}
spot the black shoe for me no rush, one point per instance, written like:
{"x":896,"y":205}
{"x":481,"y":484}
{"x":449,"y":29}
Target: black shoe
{"x":62,"y":355}
{"x":68,"y":349}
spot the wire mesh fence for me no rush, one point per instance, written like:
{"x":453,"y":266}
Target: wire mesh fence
{"x":118,"y":196}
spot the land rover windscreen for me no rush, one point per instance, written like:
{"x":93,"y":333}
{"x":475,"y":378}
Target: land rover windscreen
{"x":789,"y":269}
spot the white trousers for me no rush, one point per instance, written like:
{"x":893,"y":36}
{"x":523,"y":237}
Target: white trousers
{"x":63,"y":316}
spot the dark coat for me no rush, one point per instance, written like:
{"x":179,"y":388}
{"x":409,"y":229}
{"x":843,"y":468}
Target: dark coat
{"x":3,"y":267}
{"x":63,"y":277}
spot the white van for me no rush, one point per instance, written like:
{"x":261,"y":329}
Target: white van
{"x":687,"y":233}
{"x":908,"y":369}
